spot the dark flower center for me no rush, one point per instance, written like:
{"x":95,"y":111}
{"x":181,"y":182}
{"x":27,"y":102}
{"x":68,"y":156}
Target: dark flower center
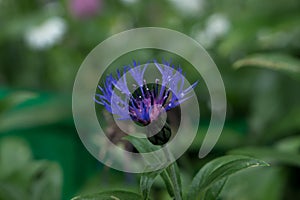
{"x":148,"y":102}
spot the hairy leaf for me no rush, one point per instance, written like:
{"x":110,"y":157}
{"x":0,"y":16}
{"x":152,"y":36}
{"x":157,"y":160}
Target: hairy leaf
{"x":217,"y":170}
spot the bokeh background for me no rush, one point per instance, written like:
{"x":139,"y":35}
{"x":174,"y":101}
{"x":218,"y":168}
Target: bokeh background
{"x":255,"y":45}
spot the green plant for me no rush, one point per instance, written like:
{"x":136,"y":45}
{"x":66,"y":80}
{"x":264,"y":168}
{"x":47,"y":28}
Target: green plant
{"x":207,"y":183}
{"x":22,"y":178}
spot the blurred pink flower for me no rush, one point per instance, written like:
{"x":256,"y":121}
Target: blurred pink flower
{"x":83,"y":9}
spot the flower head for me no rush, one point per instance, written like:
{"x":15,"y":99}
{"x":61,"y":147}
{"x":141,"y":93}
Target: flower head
{"x":148,"y":101}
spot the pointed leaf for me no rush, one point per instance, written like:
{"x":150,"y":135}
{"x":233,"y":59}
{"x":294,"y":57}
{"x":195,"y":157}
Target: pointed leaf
{"x":146,"y":182}
{"x":168,"y":183}
{"x":270,"y":154}
{"x":217,"y":170}
{"x":279,"y":62}
{"x":175,"y":179}
{"x":215,"y":190}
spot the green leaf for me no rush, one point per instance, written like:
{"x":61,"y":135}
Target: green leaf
{"x":144,"y":146}
{"x":46,"y":182}
{"x":170,"y":175}
{"x":280,"y":62}
{"x":256,"y":183}
{"x":24,"y":178}
{"x":146,"y":182}
{"x":168,"y":183}
{"x":175,"y":179}
{"x":111,"y":195}
{"x":22,"y":113}
{"x":14,"y":155}
{"x":141,"y":144}
{"x":12,"y":99}
{"x":147,"y":179}
{"x":270,"y":154}
{"x":214,"y":191}
{"x":218,"y":169}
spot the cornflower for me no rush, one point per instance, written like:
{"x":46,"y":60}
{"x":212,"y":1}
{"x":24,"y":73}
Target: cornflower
{"x":149,"y":101}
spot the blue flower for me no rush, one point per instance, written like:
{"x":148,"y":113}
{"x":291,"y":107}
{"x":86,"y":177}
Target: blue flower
{"x":148,"y":101}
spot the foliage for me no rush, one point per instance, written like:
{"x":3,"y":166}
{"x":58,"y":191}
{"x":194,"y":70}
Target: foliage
{"x":255,"y":45}
{"x":42,"y":180}
{"x":115,"y":195}
{"x":207,"y":184}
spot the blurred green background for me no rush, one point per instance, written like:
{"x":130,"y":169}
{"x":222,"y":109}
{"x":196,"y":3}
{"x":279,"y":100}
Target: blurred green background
{"x":255,"y":45}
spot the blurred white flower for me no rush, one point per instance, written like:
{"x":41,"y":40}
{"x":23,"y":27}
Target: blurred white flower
{"x":216,"y":26}
{"x":189,"y":7}
{"x":46,"y":34}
